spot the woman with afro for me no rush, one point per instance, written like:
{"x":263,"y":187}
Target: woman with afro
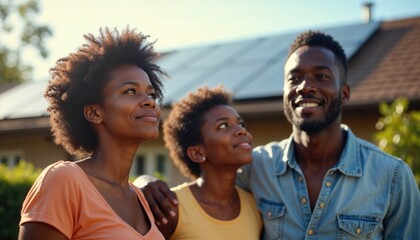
{"x":103,"y":105}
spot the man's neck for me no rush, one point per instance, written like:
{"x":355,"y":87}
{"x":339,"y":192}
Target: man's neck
{"x":320,"y":149}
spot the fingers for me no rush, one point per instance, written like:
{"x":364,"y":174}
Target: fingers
{"x":170,"y":195}
{"x":161,"y":199}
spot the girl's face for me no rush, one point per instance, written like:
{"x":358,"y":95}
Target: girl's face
{"x":226,"y":140}
{"x":129,"y":108}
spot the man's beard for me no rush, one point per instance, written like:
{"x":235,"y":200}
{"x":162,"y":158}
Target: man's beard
{"x":317,"y":125}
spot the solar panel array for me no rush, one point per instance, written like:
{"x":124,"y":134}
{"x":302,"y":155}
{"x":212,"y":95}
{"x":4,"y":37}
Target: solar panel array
{"x":251,"y":69}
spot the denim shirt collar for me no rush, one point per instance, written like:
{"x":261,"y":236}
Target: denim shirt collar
{"x":350,"y":160}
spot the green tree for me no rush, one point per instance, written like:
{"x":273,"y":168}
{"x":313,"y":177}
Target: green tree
{"x":399,"y":133}
{"x":18,"y":28}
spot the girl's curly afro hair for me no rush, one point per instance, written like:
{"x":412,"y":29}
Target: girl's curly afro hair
{"x":182,"y":128}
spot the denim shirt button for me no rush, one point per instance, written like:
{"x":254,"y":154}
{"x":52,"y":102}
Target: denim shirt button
{"x":358,"y":231}
{"x":269,"y":214}
{"x":300,"y":179}
{"x":328,"y":184}
{"x":310,"y":232}
{"x":322,"y":205}
{"x":303,"y":200}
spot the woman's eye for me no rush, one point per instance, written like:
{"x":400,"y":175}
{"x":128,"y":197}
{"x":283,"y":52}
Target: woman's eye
{"x":223,"y":125}
{"x":153,"y":96}
{"x":242,"y":124}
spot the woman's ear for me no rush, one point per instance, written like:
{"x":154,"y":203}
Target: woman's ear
{"x":93,"y":114}
{"x":196,"y":154}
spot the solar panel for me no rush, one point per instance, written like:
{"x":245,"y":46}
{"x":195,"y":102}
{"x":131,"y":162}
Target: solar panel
{"x":351,"y":37}
{"x":177,"y":60}
{"x":266,"y":48}
{"x":20,"y":97}
{"x":180,"y":82}
{"x":267,"y":83}
{"x":38,"y":107}
{"x":232,"y":76}
{"x":221,"y":54}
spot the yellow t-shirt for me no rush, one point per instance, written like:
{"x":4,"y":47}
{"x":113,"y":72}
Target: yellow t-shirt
{"x":65,"y":198}
{"x":195,"y":223}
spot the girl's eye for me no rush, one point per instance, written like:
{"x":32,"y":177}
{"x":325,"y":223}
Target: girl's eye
{"x":131,"y":91}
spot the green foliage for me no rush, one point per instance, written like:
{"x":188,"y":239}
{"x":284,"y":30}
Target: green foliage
{"x":23,"y":33}
{"x":160,"y":176}
{"x":399,"y":133}
{"x":14,"y":185}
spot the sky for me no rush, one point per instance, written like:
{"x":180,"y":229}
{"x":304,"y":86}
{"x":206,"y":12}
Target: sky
{"x":176,"y":24}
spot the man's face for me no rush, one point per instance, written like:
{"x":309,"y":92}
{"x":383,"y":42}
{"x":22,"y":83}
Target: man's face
{"x":313,"y":92}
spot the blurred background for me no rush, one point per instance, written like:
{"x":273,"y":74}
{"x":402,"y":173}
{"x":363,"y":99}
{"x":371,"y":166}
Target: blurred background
{"x":241,"y":44}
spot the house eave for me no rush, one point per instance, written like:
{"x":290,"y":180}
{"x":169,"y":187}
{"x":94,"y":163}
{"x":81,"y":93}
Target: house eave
{"x":24,"y":124}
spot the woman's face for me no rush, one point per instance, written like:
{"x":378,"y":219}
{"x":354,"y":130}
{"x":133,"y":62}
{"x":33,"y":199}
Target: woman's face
{"x":129,"y":107}
{"x":226,"y":140}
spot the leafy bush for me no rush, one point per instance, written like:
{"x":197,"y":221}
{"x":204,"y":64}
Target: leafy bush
{"x":399,"y":133}
{"x":14,"y":185}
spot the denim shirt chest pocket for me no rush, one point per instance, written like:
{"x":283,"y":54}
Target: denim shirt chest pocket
{"x":356,"y":227}
{"x":273,"y":216}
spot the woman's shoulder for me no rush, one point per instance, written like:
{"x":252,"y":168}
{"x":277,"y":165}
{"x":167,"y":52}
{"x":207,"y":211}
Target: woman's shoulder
{"x":60,"y":173}
{"x":62,"y":168}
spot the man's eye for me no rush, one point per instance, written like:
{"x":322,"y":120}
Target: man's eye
{"x":223,"y":125}
{"x":293,"y":79}
{"x":242,"y":124}
{"x":323,"y":76}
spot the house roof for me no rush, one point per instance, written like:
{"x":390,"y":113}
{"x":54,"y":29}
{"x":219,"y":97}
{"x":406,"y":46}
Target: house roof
{"x":388,"y":65}
{"x":383,"y":64}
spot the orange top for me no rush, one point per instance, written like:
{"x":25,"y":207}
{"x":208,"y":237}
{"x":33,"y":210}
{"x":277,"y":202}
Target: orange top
{"x":65,"y":198}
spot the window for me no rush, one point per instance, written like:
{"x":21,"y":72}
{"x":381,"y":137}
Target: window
{"x":160,"y":164}
{"x":150,"y":164}
{"x":139,"y":160}
{"x":10,"y":158}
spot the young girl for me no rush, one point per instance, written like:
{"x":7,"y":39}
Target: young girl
{"x":208,"y":142}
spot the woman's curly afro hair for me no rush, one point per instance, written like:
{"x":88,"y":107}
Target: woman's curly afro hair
{"x":78,"y":80}
{"x":182,"y":128}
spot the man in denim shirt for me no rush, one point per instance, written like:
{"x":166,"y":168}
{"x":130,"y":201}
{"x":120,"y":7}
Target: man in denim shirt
{"x":324,"y":182}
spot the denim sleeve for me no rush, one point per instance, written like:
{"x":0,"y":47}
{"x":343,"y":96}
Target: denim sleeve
{"x":403,"y":217}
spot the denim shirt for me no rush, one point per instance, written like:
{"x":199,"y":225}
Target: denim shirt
{"x":367,"y":195}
